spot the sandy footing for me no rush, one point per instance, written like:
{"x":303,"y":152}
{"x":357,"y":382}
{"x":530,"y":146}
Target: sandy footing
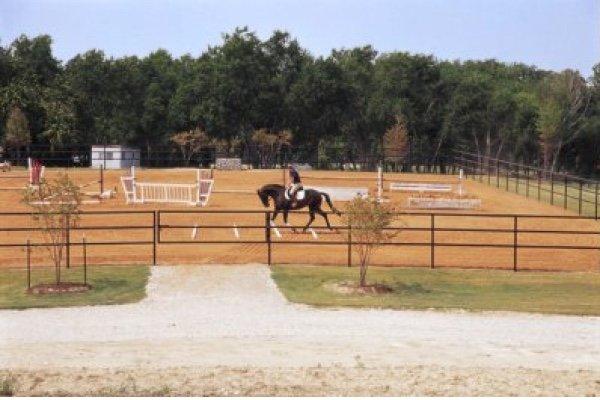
{"x":227,"y":330}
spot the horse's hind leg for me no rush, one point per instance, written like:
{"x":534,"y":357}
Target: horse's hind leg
{"x":325,"y":217}
{"x":310,"y":220}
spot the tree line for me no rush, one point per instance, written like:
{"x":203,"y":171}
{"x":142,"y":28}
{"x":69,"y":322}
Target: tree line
{"x":274,"y":93}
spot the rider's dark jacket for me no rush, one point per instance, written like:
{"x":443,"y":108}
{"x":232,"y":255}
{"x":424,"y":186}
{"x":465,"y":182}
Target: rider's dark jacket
{"x":294,"y":176}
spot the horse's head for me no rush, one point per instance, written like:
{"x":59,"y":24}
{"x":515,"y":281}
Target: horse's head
{"x":273,"y":191}
{"x":264,"y":196}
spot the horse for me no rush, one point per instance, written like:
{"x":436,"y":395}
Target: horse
{"x":312,"y":199}
{"x":5,"y":165}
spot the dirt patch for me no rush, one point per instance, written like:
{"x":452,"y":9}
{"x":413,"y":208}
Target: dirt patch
{"x":354,"y":288}
{"x":334,"y":380}
{"x":63,"y":287}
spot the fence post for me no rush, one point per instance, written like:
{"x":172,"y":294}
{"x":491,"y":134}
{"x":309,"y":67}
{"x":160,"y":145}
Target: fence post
{"x":349,"y":245}
{"x":84,"y":261}
{"x":515,"y":236}
{"x":155,"y":229}
{"x":498,"y":173}
{"x":565,"y":194}
{"x":517,"y":179}
{"x":580,"y":196}
{"x":28,"y":264}
{"x":101,"y":179}
{"x":507,"y":176}
{"x":539,"y":188}
{"x":527,"y":182}
{"x":596,"y":201}
{"x":268,"y":235}
{"x":551,"y":188}
{"x":68,"y":234}
{"x":432,"y":240}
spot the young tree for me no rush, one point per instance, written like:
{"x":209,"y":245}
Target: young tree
{"x":564,"y":99}
{"x":368,"y":220}
{"x":190,"y":142}
{"x":17,"y":133}
{"x":270,"y":144}
{"x":395,"y":141}
{"x":56,"y":209}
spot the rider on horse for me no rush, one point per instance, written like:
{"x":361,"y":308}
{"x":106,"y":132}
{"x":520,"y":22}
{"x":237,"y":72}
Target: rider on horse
{"x":295,"y":184}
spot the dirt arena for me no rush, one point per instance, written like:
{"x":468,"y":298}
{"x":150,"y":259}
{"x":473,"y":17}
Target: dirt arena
{"x":130,"y":227}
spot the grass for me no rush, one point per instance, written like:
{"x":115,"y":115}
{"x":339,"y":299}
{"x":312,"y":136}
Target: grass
{"x":444,"y":289}
{"x":7,"y":386}
{"x":110,"y":285}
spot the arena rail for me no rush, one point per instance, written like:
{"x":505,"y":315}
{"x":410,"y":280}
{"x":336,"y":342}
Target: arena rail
{"x":569,"y":191}
{"x":156,"y":225}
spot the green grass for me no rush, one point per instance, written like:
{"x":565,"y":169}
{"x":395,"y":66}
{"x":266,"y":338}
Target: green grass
{"x":422,"y":288}
{"x":110,"y":285}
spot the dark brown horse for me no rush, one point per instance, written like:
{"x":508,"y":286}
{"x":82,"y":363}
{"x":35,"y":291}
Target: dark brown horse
{"x":312,"y":199}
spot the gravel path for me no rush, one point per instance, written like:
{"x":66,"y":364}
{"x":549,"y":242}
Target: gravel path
{"x":235,"y":317}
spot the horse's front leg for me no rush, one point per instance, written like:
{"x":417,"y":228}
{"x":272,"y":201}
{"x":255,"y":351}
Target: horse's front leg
{"x":285,"y":219}
{"x":275,"y":213}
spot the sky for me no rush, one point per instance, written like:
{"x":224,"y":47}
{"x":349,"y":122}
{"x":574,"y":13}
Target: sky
{"x":550,"y":34}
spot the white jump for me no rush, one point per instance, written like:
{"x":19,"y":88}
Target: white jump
{"x":420,"y":187}
{"x":192,"y":194}
{"x":342,"y":193}
{"x":443,"y":203}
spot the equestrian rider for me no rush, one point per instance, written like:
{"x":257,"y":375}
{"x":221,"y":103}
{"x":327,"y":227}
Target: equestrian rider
{"x":295,"y":184}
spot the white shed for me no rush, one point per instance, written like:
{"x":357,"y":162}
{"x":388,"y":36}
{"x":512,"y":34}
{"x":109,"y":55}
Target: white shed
{"x":115,"y":157}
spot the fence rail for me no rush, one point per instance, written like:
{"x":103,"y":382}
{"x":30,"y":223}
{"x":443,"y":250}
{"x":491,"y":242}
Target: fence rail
{"x":571,"y":192}
{"x":513,"y":231}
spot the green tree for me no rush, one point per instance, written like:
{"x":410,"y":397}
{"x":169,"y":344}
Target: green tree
{"x":17,"y":134}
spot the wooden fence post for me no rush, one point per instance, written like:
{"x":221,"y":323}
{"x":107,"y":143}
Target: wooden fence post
{"x":68,"y":240}
{"x":155,"y":230}
{"x":566,"y":193}
{"x":515,"y":238}
{"x":28,"y":264}
{"x":84,"y":261}
{"x":432,"y":240}
{"x":551,"y":188}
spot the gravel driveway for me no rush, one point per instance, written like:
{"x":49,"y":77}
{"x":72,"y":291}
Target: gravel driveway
{"x":210,"y":317}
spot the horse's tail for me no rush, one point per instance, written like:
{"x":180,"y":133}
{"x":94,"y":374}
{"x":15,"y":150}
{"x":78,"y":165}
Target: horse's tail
{"x":330,"y":204}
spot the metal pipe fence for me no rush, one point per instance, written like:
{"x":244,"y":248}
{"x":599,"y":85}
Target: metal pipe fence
{"x":574,"y":193}
{"x":156,"y":230}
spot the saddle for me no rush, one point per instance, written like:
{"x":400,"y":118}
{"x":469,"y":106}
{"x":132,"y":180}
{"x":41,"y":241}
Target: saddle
{"x":299,"y":194}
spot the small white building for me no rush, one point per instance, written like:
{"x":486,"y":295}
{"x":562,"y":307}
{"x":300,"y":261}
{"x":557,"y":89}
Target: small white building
{"x":115,"y":157}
